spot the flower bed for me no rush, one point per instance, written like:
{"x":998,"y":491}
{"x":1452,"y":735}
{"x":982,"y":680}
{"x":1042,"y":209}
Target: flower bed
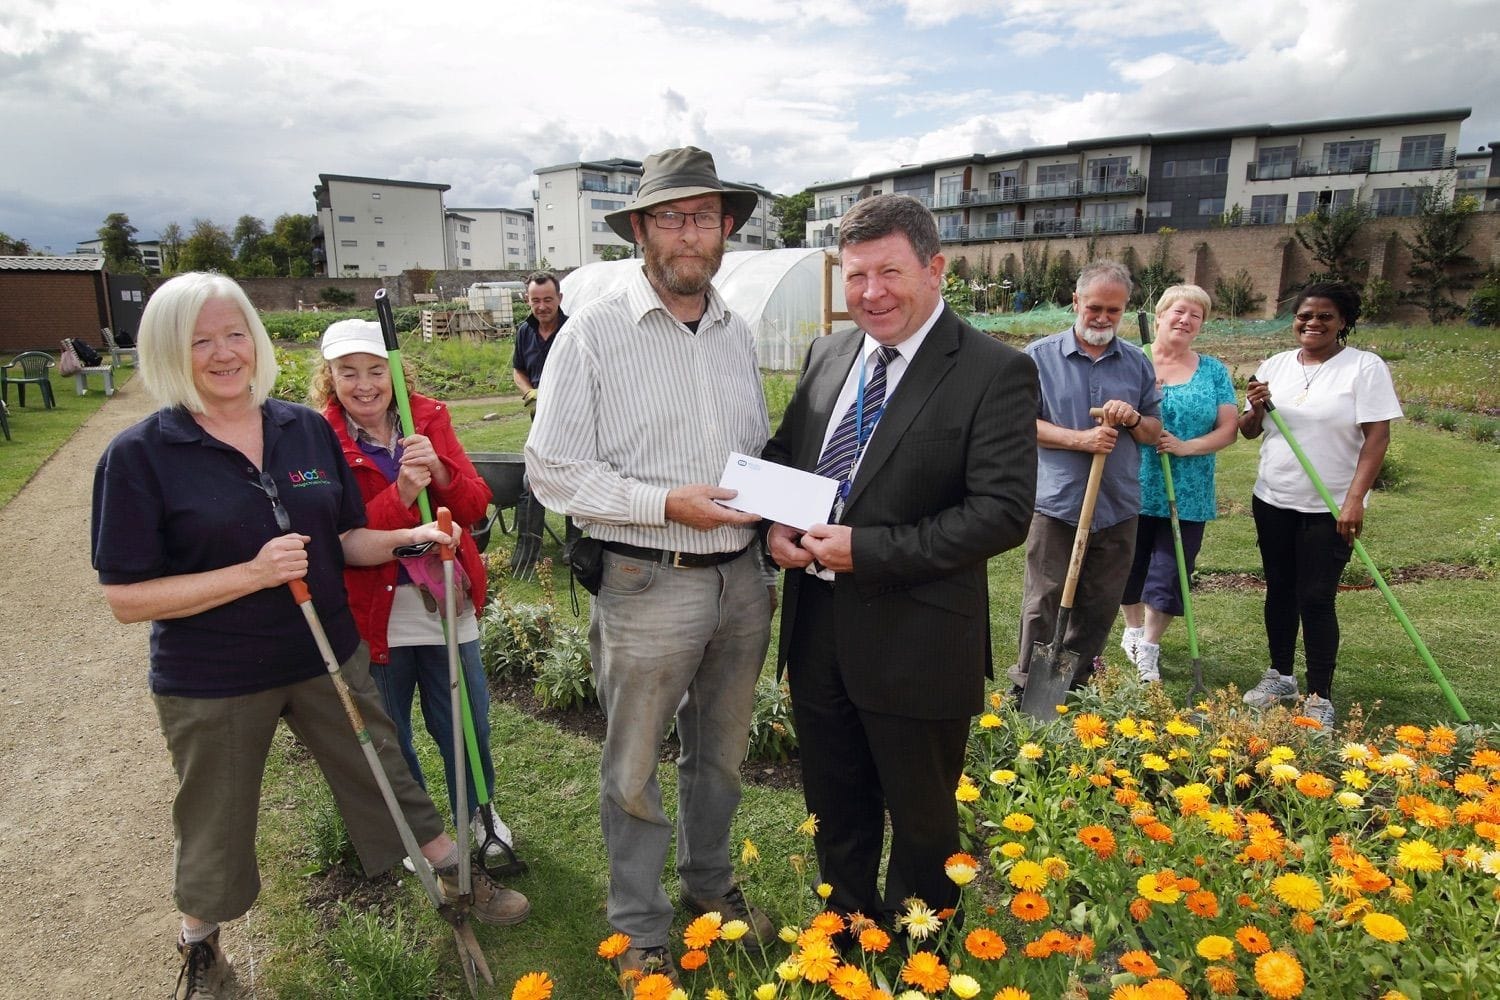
{"x":1133,"y":850}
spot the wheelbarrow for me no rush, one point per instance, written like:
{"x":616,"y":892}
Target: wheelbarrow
{"x":504,"y":472}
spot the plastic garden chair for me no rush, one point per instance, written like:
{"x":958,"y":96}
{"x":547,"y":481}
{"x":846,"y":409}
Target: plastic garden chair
{"x":33,"y":366}
{"x":5,"y":419}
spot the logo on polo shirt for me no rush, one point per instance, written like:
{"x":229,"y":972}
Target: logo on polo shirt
{"x":310,"y":477}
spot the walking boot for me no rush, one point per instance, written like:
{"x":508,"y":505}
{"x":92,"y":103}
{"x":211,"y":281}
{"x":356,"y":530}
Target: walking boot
{"x":204,"y":971}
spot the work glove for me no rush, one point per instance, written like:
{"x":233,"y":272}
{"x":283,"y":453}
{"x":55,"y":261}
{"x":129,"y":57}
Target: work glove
{"x":528,"y":400}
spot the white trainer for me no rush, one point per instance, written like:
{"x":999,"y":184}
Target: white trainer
{"x":1320,"y":708}
{"x":1147,"y":659}
{"x":1130,"y":641}
{"x":501,"y":830}
{"x":1273,"y":687}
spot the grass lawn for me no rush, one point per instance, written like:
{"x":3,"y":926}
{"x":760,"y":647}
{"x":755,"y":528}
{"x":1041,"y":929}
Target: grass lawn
{"x":36,"y":433}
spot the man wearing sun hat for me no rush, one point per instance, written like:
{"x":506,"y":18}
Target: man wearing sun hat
{"x":648,"y":393}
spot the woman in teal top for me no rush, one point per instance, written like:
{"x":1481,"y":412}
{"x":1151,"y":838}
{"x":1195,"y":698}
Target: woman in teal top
{"x":1198,"y":418}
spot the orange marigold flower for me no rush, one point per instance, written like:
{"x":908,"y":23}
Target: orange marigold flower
{"x":1159,"y":832}
{"x":1306,"y":722}
{"x":1485,"y":759}
{"x":962,"y":859}
{"x":828,"y":922}
{"x":1163,"y":989}
{"x":926,"y":972}
{"x":1303,"y":923}
{"x":816,"y":959}
{"x":1314,"y":786}
{"x":1083,"y":947}
{"x":849,"y":982}
{"x":1280,"y":975}
{"x":1471,"y":785}
{"x":1139,"y":963}
{"x":653,"y":987}
{"x":1128,"y":991}
{"x":1012,"y":993}
{"x":1098,"y":839}
{"x":532,"y":986}
{"x":874,"y":939}
{"x":1126,"y":797}
{"x":1029,"y":906}
{"x":1245,"y":902}
{"x":1036,"y":949}
{"x":703,"y":931}
{"x":697,"y":958}
{"x":1056,"y":941}
{"x":1412,"y":736}
{"x":1253,"y":940}
{"x":1140,"y":909}
{"x":1091,"y":730}
{"x":614,"y":946}
{"x":1203,"y":902}
{"x":984,"y":943}
{"x":1221,"y":980}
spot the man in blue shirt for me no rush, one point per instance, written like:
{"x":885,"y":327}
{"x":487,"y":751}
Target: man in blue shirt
{"x":1087,"y":366}
{"x":534,"y":339}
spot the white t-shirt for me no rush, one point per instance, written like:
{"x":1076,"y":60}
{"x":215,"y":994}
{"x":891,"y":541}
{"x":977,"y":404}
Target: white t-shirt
{"x":1323,"y":408}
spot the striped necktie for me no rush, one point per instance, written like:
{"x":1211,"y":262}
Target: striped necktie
{"x":842,"y":450}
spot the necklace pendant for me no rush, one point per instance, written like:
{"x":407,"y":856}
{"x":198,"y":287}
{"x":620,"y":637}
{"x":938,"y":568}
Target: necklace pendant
{"x":1300,"y":398}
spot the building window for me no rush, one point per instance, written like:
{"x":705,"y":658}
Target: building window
{"x":463,"y":227}
{"x":464,"y":246}
{"x":380,"y":243}
{"x":1274,"y":162}
{"x":468,"y":262}
{"x":1056,"y":173}
{"x":606,"y":204}
{"x":1206,"y":167}
{"x":1421,"y":152}
{"x":1352,"y":157}
{"x":1210,"y":206}
{"x":549,"y":229}
{"x":348,"y":243}
{"x":950,"y":190}
{"x":346,"y":218}
{"x":751,"y":239}
{"x":734,"y":237}
{"x":512,"y":236}
{"x":1003,"y":180}
{"x":1311,"y":201}
{"x":1396,"y":201}
{"x":598,"y":227}
{"x":513,"y":251}
{"x":379,"y":220}
{"x":1158,"y":209}
{"x":1267,"y":209}
{"x":352,"y":267}
{"x":380,"y":267}
{"x":375,"y":195}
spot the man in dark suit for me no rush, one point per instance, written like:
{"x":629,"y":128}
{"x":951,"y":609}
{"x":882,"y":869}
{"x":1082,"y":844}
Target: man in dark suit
{"x":930,"y":426}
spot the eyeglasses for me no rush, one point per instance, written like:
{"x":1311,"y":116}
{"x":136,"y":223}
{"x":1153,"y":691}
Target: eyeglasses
{"x":267,"y":485}
{"x":1308,"y":317}
{"x":676,"y":220}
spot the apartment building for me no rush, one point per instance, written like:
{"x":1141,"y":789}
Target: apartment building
{"x":492,"y":238}
{"x":1479,"y":175}
{"x":1247,"y":175}
{"x":371,"y":227}
{"x":150,"y":252}
{"x":572,"y":199}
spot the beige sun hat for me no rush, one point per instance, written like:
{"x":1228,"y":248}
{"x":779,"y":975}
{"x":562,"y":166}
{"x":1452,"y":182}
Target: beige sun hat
{"x":682,"y":173}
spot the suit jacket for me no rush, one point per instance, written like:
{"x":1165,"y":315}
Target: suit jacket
{"x":948,"y":479}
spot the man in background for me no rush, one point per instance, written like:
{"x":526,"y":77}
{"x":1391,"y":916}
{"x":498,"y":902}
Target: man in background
{"x":534,"y":339}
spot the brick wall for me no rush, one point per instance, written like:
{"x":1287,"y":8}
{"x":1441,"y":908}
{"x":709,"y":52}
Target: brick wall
{"x":1277,"y":263}
{"x":270,"y":294}
{"x":39,"y":308}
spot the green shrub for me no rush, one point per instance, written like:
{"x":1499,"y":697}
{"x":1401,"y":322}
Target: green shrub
{"x":1484,"y":304}
{"x":773,"y":737}
{"x":1378,"y":299}
{"x":565,"y":679}
{"x":325,"y":836}
{"x":379,"y":961}
{"x":1394,"y":470}
{"x":1484,"y":429}
{"x":957,"y":293}
{"x":1235,"y":296}
{"x":1445,"y":419}
{"x":292,"y":376}
{"x":514,"y":638}
{"x":337,"y":296}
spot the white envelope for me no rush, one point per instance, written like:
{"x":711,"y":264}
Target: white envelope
{"x":778,"y":493}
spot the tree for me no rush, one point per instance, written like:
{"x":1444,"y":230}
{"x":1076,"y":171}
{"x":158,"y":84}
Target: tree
{"x":1329,"y":236}
{"x":1159,"y":274}
{"x":791,"y":213}
{"x":121,"y":255}
{"x":615,"y":252}
{"x":250,"y":244}
{"x":1439,"y":253}
{"x":170,"y":239}
{"x":12,"y":247}
{"x":209,"y":248}
{"x":291,"y":244}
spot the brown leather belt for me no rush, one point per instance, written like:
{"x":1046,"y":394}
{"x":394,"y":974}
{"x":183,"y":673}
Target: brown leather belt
{"x":677,"y":560}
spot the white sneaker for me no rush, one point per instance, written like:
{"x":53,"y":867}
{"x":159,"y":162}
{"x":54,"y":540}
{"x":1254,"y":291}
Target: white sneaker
{"x":409,"y":865}
{"x":1320,"y":708}
{"x":501,"y":830}
{"x":1130,"y":641}
{"x":1147,"y":657}
{"x":1273,"y":687}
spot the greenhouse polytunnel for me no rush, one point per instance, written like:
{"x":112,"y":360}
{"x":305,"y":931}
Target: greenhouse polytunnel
{"x":778,"y":292}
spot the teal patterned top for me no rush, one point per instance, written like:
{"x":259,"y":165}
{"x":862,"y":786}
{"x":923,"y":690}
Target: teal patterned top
{"x":1188,"y":411}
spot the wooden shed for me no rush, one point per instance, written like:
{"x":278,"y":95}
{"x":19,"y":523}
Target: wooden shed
{"x":44,"y":299}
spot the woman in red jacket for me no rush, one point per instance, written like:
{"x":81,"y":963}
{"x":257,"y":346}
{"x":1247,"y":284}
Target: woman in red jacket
{"x":399,"y":619}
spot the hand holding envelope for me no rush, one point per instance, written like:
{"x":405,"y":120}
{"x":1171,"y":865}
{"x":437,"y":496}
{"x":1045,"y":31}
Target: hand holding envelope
{"x":778,"y":493}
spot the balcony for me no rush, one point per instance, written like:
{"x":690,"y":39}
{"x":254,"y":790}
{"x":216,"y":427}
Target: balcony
{"x":1034,"y":228}
{"x":1075,"y":188}
{"x":1381,"y":163}
{"x":622,"y":187}
{"x":827,"y":212}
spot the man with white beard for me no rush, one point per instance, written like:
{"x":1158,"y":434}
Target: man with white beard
{"x":1087,"y":366}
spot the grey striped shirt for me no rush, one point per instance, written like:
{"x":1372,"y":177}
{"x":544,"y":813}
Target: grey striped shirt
{"x":636,"y":404}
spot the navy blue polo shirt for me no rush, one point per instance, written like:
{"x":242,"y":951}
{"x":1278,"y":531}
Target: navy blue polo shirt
{"x":169,"y":499}
{"x":530,"y":355}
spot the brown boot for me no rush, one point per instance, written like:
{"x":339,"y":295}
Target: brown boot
{"x":635,"y":964}
{"x":205,"y":970}
{"x":493,"y":903}
{"x":734,"y":906}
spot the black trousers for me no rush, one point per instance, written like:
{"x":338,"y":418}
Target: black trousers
{"x":857,"y":765}
{"x":1303,"y":556}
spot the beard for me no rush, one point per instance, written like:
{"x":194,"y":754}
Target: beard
{"x":683,"y":275}
{"x":1096,"y":337}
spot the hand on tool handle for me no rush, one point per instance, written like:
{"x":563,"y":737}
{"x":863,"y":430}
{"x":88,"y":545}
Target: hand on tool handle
{"x":281,"y":560}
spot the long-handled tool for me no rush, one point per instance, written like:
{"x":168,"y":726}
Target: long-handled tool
{"x":469,"y":953}
{"x":1182,"y":570}
{"x":1052,"y":667}
{"x":1359,"y":549}
{"x":510,"y":865}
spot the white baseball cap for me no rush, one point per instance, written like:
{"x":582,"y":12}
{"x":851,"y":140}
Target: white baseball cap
{"x":353,"y":336}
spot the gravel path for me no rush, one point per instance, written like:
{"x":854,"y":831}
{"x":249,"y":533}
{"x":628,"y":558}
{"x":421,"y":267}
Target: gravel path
{"x":85,"y":784}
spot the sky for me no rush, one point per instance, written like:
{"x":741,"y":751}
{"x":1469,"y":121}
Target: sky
{"x":176,"y":110}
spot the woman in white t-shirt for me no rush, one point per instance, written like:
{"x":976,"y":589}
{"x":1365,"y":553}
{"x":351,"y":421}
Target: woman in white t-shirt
{"x":1338,"y":403}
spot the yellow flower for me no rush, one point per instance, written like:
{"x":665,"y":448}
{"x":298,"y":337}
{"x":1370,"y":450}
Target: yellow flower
{"x":1127,"y":728}
{"x":824,"y":890}
{"x":1177,"y":727}
{"x":1355,"y":753}
{"x":809,"y":826}
{"x":678,"y":993}
{"x":1018,"y":823}
{"x":1028,"y":875}
{"x":1418,"y":856}
{"x":1154,"y":762}
{"x":733,"y":930}
{"x":1284,"y":774}
{"x":964,"y":987}
{"x":1383,"y":927}
{"x":788,"y":934}
{"x":1012,"y":850}
{"x":1031,"y":751}
{"x":1297,"y":891}
{"x":1395,"y":831}
{"x":919,"y":921}
{"x":1090,"y":730}
{"x":1012,"y":993}
{"x":1159,"y":887}
{"x":967,"y":791}
{"x":1057,"y":869}
{"x":1490,"y":863}
{"x":1394,"y":995}
{"x":1219,"y":753}
{"x":715,"y":993}
{"x":749,"y":853}
{"x":990,"y":720}
{"x":1215,"y":947}
{"x":765,"y":991}
{"x":1063,"y":709}
{"x":532,"y":986}
{"x":1003,"y":776}
{"x":1356,"y":778}
{"x":1280,"y":975}
{"x":1349,"y":800}
{"x":961,"y":873}
{"x":996,"y":699}
{"x":788,"y":971}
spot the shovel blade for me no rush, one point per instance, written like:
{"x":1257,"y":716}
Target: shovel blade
{"x":1048,"y":678}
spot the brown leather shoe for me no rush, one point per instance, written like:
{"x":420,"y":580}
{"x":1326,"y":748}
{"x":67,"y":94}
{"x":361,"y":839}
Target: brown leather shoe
{"x":493,"y":903}
{"x":635,"y":964}
{"x":734,"y":906}
{"x":205,"y":970}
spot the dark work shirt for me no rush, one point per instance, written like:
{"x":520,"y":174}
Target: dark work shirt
{"x":531,"y":350}
{"x":169,"y":500}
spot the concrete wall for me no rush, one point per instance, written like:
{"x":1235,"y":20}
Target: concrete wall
{"x":1276,"y":261}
